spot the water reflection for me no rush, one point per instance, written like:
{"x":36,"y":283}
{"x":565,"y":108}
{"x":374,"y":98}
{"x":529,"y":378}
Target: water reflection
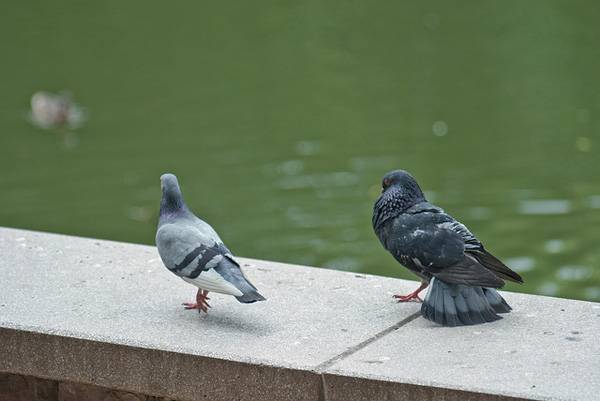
{"x":583,"y":144}
{"x":372,"y":163}
{"x":308,"y":148}
{"x":344,"y":263}
{"x":555,"y":246}
{"x":594,"y":201}
{"x":439,"y":128}
{"x":548,"y":288}
{"x":283,"y":132}
{"x":291,"y":167}
{"x":479,"y":213}
{"x":140,"y":213}
{"x":592,"y":293}
{"x":545,"y":206}
{"x":521,"y":264}
{"x":324,"y":180}
{"x":573,"y":273}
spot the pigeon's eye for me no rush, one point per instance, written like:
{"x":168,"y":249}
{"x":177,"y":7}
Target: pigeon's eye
{"x":386,"y":182}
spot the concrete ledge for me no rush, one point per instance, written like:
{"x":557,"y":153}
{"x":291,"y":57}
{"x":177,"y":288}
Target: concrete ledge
{"x":108,"y":314}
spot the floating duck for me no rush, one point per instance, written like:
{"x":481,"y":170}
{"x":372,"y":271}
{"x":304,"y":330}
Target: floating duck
{"x":49,"y":110}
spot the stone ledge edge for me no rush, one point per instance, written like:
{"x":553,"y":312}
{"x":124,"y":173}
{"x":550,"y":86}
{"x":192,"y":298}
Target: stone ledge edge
{"x":162,"y":373}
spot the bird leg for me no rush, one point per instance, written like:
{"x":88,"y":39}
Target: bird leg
{"x":412,"y":295}
{"x":201,"y":302}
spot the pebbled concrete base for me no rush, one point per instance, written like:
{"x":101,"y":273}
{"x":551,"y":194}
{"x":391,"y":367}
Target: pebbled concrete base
{"x":29,"y":388}
{"x":109,"y":314}
{"x":26,"y":388}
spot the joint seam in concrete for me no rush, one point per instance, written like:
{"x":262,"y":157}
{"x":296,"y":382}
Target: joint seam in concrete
{"x":352,"y":350}
{"x":320,"y":369}
{"x":323,"y":394}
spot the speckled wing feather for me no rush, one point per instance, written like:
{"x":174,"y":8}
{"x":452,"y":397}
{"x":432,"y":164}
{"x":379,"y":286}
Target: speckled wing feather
{"x":427,"y":241}
{"x":475,"y":249}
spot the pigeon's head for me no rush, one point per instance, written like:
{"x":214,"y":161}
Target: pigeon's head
{"x":168,"y":182}
{"x":172,"y":199}
{"x":402,"y":181}
{"x":399,"y":192}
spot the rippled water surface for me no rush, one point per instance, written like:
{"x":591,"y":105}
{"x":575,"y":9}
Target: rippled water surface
{"x":281,"y":118}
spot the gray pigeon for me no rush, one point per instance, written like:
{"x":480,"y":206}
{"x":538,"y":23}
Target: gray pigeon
{"x":192,"y":250}
{"x":443,"y":252}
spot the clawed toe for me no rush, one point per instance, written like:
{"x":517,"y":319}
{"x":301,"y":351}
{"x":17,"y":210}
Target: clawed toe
{"x":408,"y":298}
{"x":413,"y":296}
{"x":201,"y":302}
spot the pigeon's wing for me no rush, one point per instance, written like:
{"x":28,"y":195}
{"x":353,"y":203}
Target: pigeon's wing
{"x":426,"y":244}
{"x":196,"y":256}
{"x":475,"y":249}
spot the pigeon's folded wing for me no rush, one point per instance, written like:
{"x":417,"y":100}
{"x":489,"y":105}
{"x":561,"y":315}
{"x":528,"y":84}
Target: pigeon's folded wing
{"x":440,"y":251}
{"x":180,"y":244}
{"x":192,"y":254}
{"x":468,"y":272}
{"x":475,"y":249}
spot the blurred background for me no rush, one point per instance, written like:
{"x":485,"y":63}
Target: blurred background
{"x":281,"y":117}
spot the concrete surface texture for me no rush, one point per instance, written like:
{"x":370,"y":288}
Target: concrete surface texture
{"x":109,"y":314}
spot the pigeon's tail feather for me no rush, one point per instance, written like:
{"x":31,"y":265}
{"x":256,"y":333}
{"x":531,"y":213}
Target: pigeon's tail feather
{"x":458,"y":305}
{"x":250,"y":297}
{"x":234,"y":274}
{"x":496,"y":300}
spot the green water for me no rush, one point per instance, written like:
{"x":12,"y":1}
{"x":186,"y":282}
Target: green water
{"x":281,"y":117}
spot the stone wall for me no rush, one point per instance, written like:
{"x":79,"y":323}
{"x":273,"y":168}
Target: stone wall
{"x":101,"y":320}
{"x":28,"y":388}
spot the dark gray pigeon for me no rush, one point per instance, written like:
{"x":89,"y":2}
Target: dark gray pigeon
{"x":191,"y":249}
{"x":442,"y":252}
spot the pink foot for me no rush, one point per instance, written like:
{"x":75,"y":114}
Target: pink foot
{"x":413,"y":295}
{"x":201,"y":302}
{"x":407,"y":298}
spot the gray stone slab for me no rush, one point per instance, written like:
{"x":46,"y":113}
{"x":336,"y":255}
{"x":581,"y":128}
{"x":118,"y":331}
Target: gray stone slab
{"x":87,"y":310}
{"x":546,"y":349}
